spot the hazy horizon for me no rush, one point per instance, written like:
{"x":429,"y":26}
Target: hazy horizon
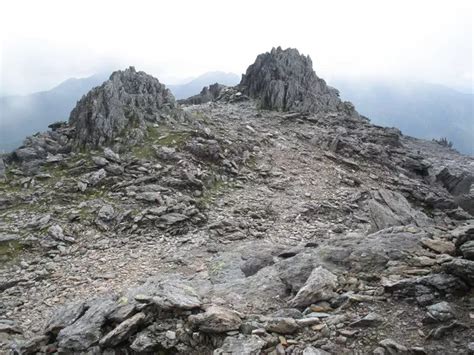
{"x":53,"y":41}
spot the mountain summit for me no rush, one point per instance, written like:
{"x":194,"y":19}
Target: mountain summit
{"x":264,"y":218}
{"x":121,"y":106}
{"x":284,"y":80}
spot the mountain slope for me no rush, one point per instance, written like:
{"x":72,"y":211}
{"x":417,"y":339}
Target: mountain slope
{"x":228,"y":229}
{"x":419,"y":110}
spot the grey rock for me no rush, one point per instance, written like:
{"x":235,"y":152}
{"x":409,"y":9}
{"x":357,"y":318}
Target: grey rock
{"x":87,"y":330}
{"x":319,"y":287}
{"x":470,"y":347}
{"x":284,"y":80}
{"x":216,"y":320}
{"x":110,"y":155}
{"x":310,"y":350}
{"x":149,"y":196}
{"x":120,"y":106}
{"x":255,"y":262}
{"x":56,"y":232}
{"x":462,"y":268}
{"x":114,"y":169}
{"x":295,"y":271}
{"x":418,"y":287}
{"x":106,"y":213}
{"x":281,"y":325}
{"x":467,"y":250}
{"x":172,"y":293}
{"x":370,"y":320}
{"x":288,"y":313}
{"x":173,"y":218}
{"x":207,"y":94}
{"x":65,"y":316}
{"x":392,"y":347}
{"x":441,"y":311}
{"x":2,"y":168}
{"x":242,"y":345}
{"x":123,"y":330}
{"x":152,"y":339}
{"x":389,"y":208}
{"x":100,"y":161}
{"x":96,"y":177}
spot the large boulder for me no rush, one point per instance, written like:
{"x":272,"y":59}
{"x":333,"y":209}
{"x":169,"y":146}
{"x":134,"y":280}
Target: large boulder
{"x":120,"y":107}
{"x":284,"y":80}
{"x":390,"y":208}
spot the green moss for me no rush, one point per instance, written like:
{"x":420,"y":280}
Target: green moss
{"x":174,"y":139}
{"x":9,"y":250}
{"x":215,"y":189}
{"x":215,"y":268}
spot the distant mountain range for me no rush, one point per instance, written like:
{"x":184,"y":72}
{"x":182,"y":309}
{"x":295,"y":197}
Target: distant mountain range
{"x":419,"y":110}
{"x":22,"y":116}
{"x":195,"y":86}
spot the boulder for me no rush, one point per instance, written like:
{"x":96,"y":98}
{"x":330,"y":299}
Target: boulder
{"x":216,"y":320}
{"x":320,"y":286}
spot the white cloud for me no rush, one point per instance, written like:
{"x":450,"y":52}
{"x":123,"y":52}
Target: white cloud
{"x":45,"y":42}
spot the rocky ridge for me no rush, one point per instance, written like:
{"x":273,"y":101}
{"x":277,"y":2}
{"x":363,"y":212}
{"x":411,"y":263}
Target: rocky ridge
{"x":218,"y":227}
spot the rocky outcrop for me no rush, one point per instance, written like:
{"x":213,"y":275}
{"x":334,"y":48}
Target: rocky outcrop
{"x":462,"y":187}
{"x":120,"y":107}
{"x":284,"y":80}
{"x":207,"y":94}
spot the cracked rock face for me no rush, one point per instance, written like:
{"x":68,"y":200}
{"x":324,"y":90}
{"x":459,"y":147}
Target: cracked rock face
{"x":123,"y":103}
{"x":284,"y":80}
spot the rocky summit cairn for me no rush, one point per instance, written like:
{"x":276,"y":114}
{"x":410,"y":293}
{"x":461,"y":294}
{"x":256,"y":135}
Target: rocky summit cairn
{"x":284,"y":80}
{"x":121,"y":106}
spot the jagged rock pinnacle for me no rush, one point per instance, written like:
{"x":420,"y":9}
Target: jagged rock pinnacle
{"x":284,"y":80}
{"x":121,"y":105}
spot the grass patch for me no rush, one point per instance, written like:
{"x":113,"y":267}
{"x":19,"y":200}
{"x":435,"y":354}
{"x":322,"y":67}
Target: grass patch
{"x":10,"y":250}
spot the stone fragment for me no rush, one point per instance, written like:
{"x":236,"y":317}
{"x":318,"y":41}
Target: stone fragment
{"x":123,"y":330}
{"x":216,"y":319}
{"x":282,"y":325}
{"x":319,"y":287}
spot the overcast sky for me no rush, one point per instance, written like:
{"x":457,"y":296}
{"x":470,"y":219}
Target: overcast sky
{"x":45,"y":42}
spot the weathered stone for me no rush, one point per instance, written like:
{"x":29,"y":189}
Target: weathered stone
{"x":216,"y":320}
{"x":370,"y":320}
{"x":467,"y":250}
{"x":110,"y":155}
{"x":167,"y":294}
{"x":281,"y":325}
{"x":65,"y":316}
{"x":462,"y":268}
{"x":87,"y":330}
{"x":242,"y":345}
{"x":389,"y":208}
{"x":106,"y":213}
{"x":441,"y":311}
{"x":439,"y":246}
{"x":319,"y":287}
{"x":393,"y":347}
{"x":427,"y":285}
{"x":310,"y":350}
{"x":123,"y":330}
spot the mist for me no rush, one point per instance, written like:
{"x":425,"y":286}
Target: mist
{"x":44,"y":43}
